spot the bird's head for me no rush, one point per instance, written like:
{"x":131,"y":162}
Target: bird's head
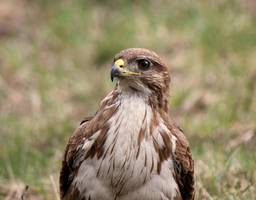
{"x":142,"y":71}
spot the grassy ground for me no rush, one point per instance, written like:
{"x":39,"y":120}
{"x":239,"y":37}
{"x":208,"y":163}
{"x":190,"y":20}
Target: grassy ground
{"x":54,"y":64}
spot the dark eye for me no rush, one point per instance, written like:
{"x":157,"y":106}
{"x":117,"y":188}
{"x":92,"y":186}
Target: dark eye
{"x":144,"y":64}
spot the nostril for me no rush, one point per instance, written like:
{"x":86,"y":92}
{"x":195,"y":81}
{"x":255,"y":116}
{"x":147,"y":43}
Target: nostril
{"x":119,"y":63}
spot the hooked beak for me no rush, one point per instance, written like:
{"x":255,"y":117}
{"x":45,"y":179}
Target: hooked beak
{"x":118,"y":70}
{"x":115,"y":72}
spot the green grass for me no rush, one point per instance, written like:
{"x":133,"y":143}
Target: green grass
{"x":55,"y":69}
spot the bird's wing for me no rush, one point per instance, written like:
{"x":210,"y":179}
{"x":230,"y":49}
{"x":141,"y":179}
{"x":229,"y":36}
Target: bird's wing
{"x":69,"y":163}
{"x":183,"y":165}
{"x":75,"y":154}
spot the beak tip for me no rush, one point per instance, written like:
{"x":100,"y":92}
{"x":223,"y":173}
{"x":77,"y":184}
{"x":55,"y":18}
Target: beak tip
{"x":114,"y":73}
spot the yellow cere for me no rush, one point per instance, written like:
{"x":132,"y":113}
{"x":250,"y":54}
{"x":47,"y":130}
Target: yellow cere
{"x":119,"y":63}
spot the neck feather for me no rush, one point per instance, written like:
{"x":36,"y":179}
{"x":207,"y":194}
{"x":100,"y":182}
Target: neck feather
{"x":154,"y":96}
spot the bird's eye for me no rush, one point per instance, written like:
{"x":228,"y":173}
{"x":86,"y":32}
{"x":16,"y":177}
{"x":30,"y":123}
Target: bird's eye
{"x":143,"y":64}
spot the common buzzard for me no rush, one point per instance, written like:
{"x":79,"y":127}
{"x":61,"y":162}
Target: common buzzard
{"x":130,"y":149}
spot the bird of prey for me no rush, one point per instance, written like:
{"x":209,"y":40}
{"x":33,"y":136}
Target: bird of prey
{"x":130,"y":149}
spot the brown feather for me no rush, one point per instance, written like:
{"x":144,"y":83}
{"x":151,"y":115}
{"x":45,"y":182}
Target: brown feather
{"x":89,"y":126}
{"x":183,"y":165}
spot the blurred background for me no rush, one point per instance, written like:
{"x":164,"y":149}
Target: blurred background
{"x":54,"y":69}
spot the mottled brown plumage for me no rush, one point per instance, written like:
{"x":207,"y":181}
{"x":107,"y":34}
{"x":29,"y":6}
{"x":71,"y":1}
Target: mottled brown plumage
{"x":130,"y":149}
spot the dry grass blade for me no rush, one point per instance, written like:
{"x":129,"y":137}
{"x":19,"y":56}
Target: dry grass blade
{"x":242,"y":138}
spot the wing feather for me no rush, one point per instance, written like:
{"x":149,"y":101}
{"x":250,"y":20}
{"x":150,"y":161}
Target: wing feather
{"x":183,"y":165}
{"x":74,"y":154}
{"x":69,"y":167}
